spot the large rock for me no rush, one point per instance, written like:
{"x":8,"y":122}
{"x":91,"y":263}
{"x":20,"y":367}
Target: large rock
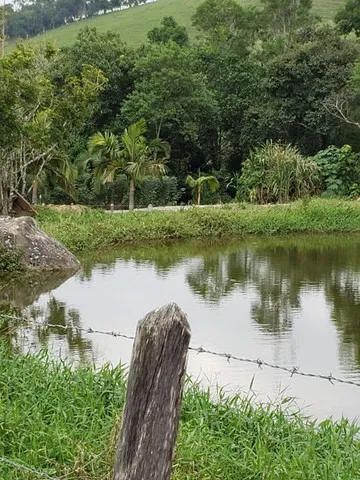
{"x":38,"y":249}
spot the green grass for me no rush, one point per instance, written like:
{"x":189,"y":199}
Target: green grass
{"x":92,"y":230}
{"x":133,"y":24}
{"x":64,"y":422}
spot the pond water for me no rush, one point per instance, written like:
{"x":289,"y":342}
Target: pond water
{"x":291,"y":301}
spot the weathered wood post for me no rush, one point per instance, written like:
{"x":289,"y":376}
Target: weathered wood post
{"x":154,"y":395}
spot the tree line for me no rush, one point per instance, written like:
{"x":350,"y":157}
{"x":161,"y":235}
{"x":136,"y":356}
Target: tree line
{"x":264,"y":105}
{"x":28,"y":18}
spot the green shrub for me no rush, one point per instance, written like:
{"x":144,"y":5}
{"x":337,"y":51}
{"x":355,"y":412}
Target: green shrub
{"x":340,"y":171}
{"x":277,"y":173}
{"x":152,"y":190}
{"x":10,"y":260}
{"x":157,"y":191}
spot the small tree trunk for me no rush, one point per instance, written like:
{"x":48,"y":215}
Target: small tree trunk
{"x":198,"y":195}
{"x":4,"y":200}
{"x":34,"y":196}
{"x":132,"y":194}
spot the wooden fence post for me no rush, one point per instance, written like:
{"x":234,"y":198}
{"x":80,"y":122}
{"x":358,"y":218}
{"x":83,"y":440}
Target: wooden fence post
{"x":154,"y":396}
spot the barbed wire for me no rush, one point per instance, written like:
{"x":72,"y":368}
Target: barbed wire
{"x":292,"y":370}
{"x":199,"y":350}
{"x":27,"y":469}
{"x":69,"y":328}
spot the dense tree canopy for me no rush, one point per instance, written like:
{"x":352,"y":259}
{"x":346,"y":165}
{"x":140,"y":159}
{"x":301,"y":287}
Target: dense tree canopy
{"x":348,"y":18}
{"x":254,"y":75}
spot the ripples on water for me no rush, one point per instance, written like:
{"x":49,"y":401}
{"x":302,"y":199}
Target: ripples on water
{"x":290,"y":301}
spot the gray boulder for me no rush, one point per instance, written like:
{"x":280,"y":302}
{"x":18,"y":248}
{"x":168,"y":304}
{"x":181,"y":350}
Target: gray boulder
{"x":39,"y":250}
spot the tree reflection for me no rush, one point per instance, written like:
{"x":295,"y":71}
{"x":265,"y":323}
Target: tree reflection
{"x":18,"y":297}
{"x":343,"y":293}
{"x":278,"y":272}
{"x":65,"y":324}
{"x":274,"y":272}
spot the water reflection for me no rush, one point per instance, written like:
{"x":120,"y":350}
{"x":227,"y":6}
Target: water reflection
{"x":65,"y":323}
{"x":278,"y":270}
{"x":293,"y":300}
{"x":17,"y":293}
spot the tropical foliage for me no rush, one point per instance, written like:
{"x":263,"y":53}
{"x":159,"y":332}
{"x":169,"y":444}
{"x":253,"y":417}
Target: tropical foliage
{"x":340,"y":171}
{"x":277,"y":173}
{"x":132,"y":154}
{"x":199,"y":183}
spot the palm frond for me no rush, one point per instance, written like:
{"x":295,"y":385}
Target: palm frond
{"x":212,"y":181}
{"x":190,"y":181}
{"x":110,"y":171}
{"x":106,"y":144}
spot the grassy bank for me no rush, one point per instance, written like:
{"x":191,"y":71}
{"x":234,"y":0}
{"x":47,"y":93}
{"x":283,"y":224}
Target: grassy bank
{"x":95,"y":229}
{"x":64,"y":422}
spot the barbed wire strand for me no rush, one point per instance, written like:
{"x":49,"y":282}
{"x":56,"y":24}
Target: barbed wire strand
{"x":27,"y":469}
{"x":199,"y":350}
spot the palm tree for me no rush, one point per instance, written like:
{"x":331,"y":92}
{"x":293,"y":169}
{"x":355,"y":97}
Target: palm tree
{"x":57,"y":172}
{"x":132,"y":154}
{"x":197,"y":184}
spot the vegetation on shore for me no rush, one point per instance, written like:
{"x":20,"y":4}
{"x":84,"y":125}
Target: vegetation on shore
{"x":243,"y":106}
{"x":93,"y":229}
{"x":10,"y":260}
{"x":64,"y":422}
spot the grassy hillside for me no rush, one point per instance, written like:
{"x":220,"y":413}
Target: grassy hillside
{"x":133,"y":24}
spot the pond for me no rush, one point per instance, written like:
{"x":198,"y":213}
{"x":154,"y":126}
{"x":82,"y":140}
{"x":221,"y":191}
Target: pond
{"x":291,"y":301}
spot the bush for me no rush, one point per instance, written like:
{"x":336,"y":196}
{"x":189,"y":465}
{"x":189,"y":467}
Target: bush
{"x":340,"y":171}
{"x":152,"y":190}
{"x":10,"y":260}
{"x":276,"y":173}
{"x":157,"y":191}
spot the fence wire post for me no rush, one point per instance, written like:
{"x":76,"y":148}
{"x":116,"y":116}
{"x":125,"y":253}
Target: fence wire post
{"x":154,"y":396}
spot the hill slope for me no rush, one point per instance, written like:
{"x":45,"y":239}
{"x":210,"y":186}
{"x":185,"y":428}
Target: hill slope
{"x":133,"y":24}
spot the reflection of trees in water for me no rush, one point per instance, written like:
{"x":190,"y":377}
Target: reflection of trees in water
{"x":210,"y":277}
{"x":18,"y":297}
{"x":274,"y":272}
{"x":278,"y":274}
{"x":163,"y":256}
{"x":218,"y":275}
{"x":343,"y":293}
{"x":57,"y":313}
{"x":277,"y":270}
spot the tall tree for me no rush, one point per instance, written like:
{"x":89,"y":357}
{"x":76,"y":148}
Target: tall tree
{"x":296,"y":81}
{"x":169,"y":30}
{"x":284,"y":16}
{"x":35,"y":116}
{"x":173,"y":97}
{"x":226,"y":25}
{"x":106,"y":52}
{"x":347,"y":18}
